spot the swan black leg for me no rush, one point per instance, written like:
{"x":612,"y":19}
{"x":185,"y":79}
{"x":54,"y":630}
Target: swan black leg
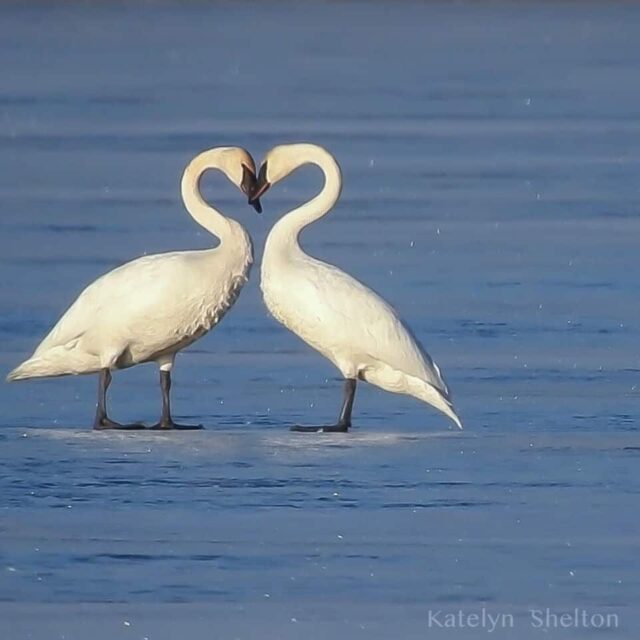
{"x":344,"y":420}
{"x":166,"y":421}
{"x":102,"y":420}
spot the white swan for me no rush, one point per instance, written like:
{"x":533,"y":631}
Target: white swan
{"x":150,"y":308}
{"x":336,"y":314}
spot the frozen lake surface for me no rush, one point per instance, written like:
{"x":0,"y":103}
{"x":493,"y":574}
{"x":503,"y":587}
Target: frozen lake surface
{"x":491,"y":157}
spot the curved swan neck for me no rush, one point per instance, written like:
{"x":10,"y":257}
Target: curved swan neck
{"x":202,"y":212}
{"x":290,"y":225}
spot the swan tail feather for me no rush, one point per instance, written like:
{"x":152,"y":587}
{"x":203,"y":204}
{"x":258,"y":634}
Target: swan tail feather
{"x":56,"y":362}
{"x":390,"y":379}
{"x":29,"y":369}
{"x":428,"y":393}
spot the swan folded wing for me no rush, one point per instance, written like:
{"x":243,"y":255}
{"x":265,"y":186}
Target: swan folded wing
{"x":374,"y":328}
{"x":433,"y":374}
{"x":139,"y":294}
{"x":75,"y":321}
{"x":110,"y":289}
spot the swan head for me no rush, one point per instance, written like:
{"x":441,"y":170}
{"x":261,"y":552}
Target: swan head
{"x":239,"y":167}
{"x":283,"y":160}
{"x":277,"y":164}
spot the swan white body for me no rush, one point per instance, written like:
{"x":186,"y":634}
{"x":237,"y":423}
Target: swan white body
{"x":144,"y":311}
{"x":150,"y":308}
{"x":337,"y":315}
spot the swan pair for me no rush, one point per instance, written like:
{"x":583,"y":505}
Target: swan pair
{"x":149,"y":309}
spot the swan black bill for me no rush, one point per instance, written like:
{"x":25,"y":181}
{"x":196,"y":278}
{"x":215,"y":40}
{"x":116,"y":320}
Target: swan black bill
{"x":261,"y":185}
{"x":248,"y":186}
{"x":255,"y":204}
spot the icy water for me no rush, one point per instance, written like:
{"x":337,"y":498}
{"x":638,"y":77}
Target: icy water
{"x":491,"y":158}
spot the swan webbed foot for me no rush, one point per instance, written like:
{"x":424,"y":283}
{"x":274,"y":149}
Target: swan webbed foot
{"x":170,"y":425}
{"x":102,"y":424}
{"x":166,"y":421}
{"x":344,"y":420}
{"x":102,"y":420}
{"x":332,"y":428}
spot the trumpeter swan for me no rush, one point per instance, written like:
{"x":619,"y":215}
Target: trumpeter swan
{"x":150,"y":308}
{"x":337,"y":315}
